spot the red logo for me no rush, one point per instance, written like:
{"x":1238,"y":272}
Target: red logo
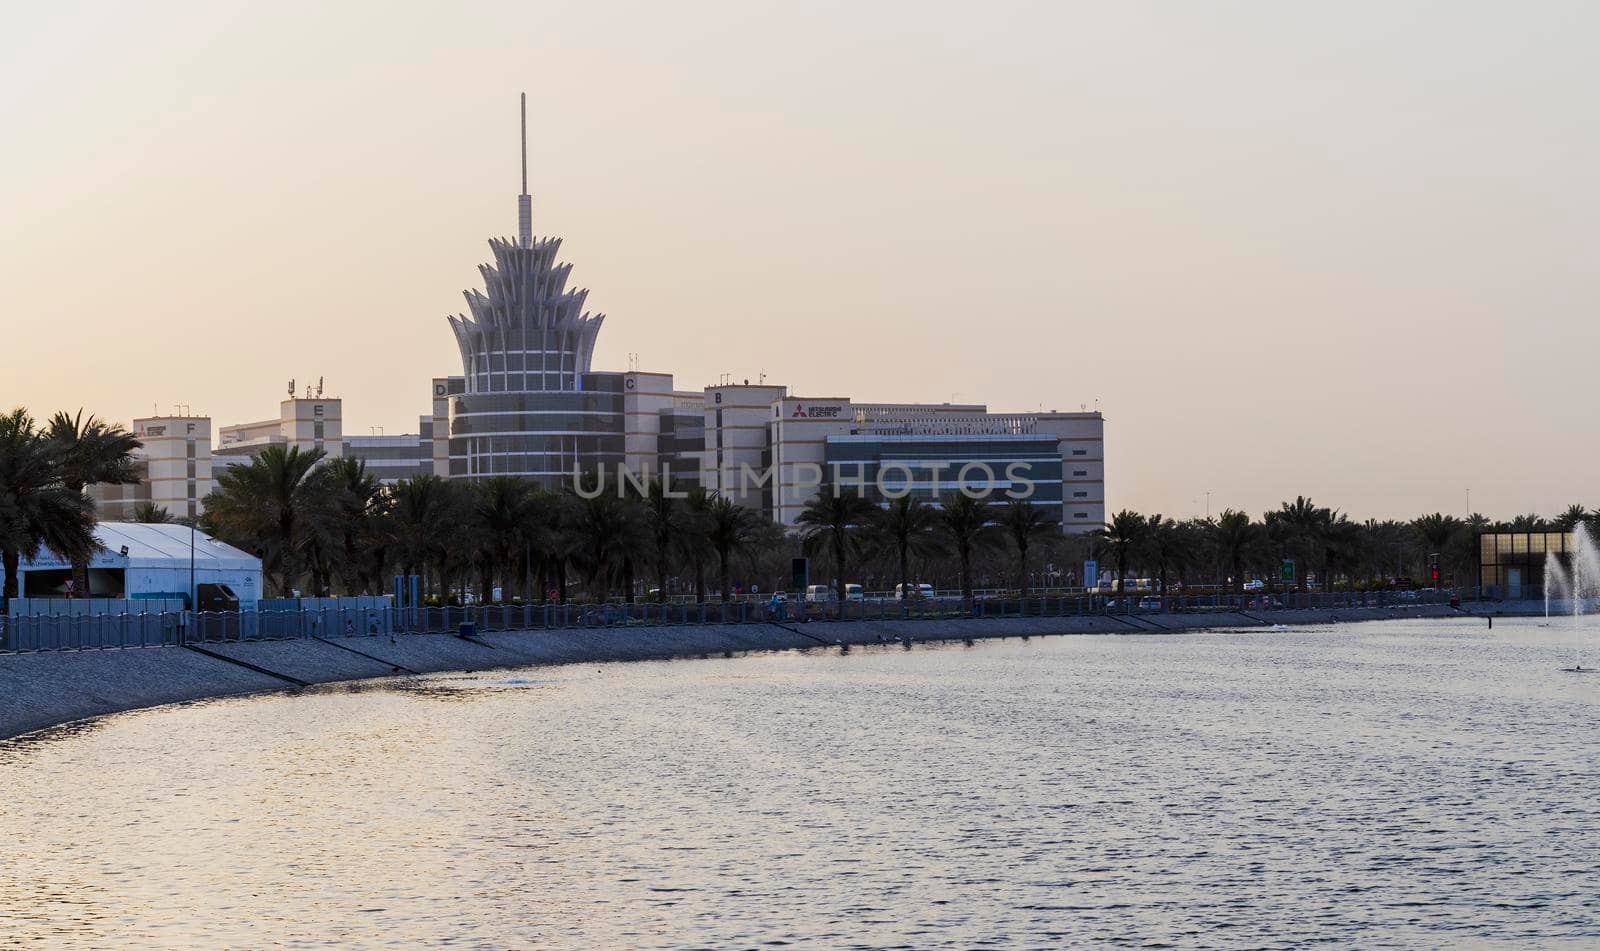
{"x":800,"y":410}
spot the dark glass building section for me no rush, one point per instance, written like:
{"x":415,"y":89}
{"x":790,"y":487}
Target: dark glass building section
{"x":680,"y":446}
{"x":890,"y":462}
{"x":1511,"y":564}
{"x":543,"y":436}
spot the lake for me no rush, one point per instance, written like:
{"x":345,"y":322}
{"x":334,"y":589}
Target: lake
{"x":1404,"y":784}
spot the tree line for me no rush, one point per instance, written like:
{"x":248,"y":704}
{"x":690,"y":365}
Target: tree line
{"x":1327,"y":547}
{"x":44,"y":472}
{"x":328,"y":526}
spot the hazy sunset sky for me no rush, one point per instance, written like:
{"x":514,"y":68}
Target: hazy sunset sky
{"x":1345,"y":250}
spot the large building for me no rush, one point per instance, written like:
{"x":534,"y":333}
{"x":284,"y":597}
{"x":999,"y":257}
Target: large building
{"x":178,"y":460}
{"x":528,"y":403}
{"x":775,"y":452}
{"x":174,"y":467}
{"x":315,"y":422}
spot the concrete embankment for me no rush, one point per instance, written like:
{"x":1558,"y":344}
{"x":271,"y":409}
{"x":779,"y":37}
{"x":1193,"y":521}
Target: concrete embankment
{"x":45,"y":689}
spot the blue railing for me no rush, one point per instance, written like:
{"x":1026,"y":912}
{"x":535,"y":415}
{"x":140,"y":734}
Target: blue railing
{"x":44,"y":632}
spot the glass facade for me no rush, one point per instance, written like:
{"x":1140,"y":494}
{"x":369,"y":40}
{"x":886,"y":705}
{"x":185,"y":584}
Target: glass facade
{"x":545,"y":436}
{"x":680,"y":446}
{"x":930,"y":466}
{"x":1512,"y":564}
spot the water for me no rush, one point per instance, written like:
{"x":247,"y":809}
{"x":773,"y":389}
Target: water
{"x":1580,"y":584}
{"x":1398,"y":784}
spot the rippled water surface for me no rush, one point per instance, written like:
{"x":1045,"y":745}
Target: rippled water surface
{"x":1415,"y":784}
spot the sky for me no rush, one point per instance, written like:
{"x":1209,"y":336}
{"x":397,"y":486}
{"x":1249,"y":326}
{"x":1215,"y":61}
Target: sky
{"x":1342,"y":250}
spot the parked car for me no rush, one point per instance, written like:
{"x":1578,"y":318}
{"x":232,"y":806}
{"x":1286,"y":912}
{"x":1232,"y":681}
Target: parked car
{"x":1255,"y":584}
{"x":853,"y":592}
{"x":1149,"y":604}
{"x":918,"y":591}
{"x":820,"y":594}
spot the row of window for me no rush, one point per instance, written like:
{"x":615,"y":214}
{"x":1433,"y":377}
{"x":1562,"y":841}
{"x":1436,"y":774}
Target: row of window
{"x":566,"y":423}
{"x":561,"y":445}
{"x":543,"y":401}
{"x":955,"y":453}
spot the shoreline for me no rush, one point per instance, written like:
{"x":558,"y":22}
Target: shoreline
{"x":40,"y":691}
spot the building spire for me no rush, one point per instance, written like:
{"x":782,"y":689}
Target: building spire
{"x":524,"y":201}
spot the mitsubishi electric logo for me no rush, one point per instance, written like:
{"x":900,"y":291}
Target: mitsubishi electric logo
{"x":800,"y":410}
{"x":816,"y":412}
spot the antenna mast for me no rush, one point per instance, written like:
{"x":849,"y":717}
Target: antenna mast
{"x":524,"y":201}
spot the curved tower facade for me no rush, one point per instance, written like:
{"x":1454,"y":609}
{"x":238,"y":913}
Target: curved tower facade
{"x":530,"y":405}
{"x":526,"y":332}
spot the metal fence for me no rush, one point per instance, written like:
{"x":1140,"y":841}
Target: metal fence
{"x":332,"y":619}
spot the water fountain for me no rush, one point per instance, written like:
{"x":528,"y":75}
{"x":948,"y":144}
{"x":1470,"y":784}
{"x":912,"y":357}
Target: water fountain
{"x":1554,"y":577}
{"x":1579,"y":581}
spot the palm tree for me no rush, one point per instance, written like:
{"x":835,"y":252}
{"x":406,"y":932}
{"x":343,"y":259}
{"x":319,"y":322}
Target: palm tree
{"x":36,"y":509}
{"x":729,"y":527}
{"x":419,"y":510}
{"x":1124,"y":536}
{"x":605,"y":531}
{"x":542,"y":539}
{"x":1437,"y":533}
{"x":835,"y":517}
{"x":1389,"y":547}
{"x":907,"y":523}
{"x":697,"y":536}
{"x":1235,"y":534}
{"x":1574,"y":516}
{"x":1342,"y":542}
{"x":965,"y":522}
{"x":498,"y":517}
{"x":1306,"y":524}
{"x":1436,"y":530}
{"x":92,"y":452}
{"x":1025,"y":523}
{"x":666,"y":520}
{"x":1161,"y":543}
{"x":1192,"y":548}
{"x":272,"y":504}
{"x":358,"y":499}
{"x":151,"y":514}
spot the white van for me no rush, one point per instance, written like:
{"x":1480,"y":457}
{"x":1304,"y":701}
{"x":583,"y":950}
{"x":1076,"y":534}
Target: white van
{"x":918,"y":591}
{"x":853,"y":592}
{"x":819,"y":594}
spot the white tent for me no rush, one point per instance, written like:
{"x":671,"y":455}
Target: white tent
{"x":153,"y":559}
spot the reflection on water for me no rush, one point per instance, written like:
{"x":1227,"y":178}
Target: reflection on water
{"x":1405,"y":784}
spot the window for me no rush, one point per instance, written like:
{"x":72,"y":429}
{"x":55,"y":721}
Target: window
{"x":1080,"y":514}
{"x":1080,"y":472}
{"x":316,"y":411}
{"x":1080,"y":495}
{"x":1080,"y":452}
